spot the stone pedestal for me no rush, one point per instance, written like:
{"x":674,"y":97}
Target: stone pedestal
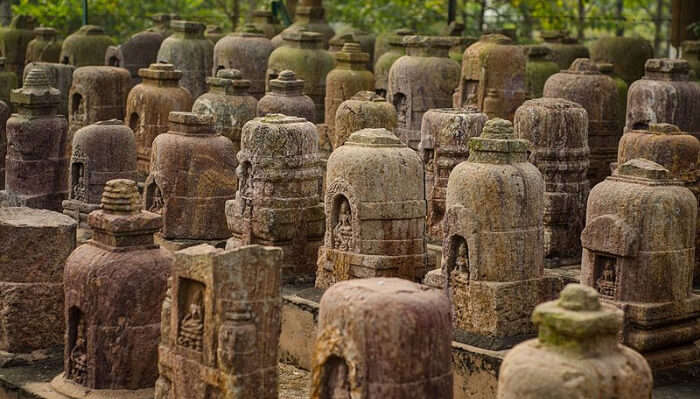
{"x":85,"y":47}
{"x":191,"y":53}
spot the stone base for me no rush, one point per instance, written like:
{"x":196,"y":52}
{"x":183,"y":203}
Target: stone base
{"x":50,"y":201}
{"x":176,"y":245}
{"x":70,"y":389}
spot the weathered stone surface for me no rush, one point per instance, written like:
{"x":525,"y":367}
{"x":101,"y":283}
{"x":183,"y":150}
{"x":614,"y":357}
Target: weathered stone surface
{"x":565,"y":49}
{"x":457,"y":51}
{"x":538,"y":69}
{"x":278,"y":201}
{"x":690,"y":51}
{"x":45,"y":47}
{"x":247,"y":51}
{"x":495,"y":203}
{"x":576,"y":354}
{"x":139,"y":51}
{"x":421,"y":80}
{"x":8,"y":81}
{"x":366,"y":328}
{"x":494,"y":77}
{"x":558,"y":132}
{"x":36,"y":164}
{"x":149,"y":104}
{"x":191,"y":53}
{"x":597,"y":93}
{"x":98,"y":93}
{"x":622,"y":89}
{"x":349,"y":77}
{"x":286,"y":96}
{"x":628,"y":54}
{"x":664,"y":95}
{"x":114,"y":286}
{"x":229,"y":103}
{"x":214,"y":33}
{"x":162,"y":23}
{"x":387,"y":49}
{"x":265,"y":21}
{"x":445,"y":135}
{"x":674,"y":150}
{"x":34,"y":245}
{"x":221,"y":324}
{"x":192,"y":175}
{"x":101,"y":152}
{"x":638,"y":253}
{"x":363,"y":38}
{"x":60,"y":77}
{"x":302,"y":53}
{"x":364,"y":110}
{"x":310,"y":16}
{"x":14,"y":40}
{"x":375,"y":211}
{"x":85,"y":47}
{"x":4,"y":115}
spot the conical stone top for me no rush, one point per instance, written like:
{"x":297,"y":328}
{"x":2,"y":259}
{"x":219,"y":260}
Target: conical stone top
{"x":352,"y":53}
{"x":121,"y":196}
{"x":497,"y":144}
{"x":287,"y":82}
{"x":36,"y":90}
{"x":644,"y":169}
{"x":160,"y":71}
{"x":229,"y":79}
{"x":374,"y":138}
{"x":367,"y":95}
{"x":583,"y":66}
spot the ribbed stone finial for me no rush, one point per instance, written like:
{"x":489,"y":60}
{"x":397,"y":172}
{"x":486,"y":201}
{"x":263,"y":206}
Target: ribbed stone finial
{"x":498,"y":128}
{"x":36,"y":79}
{"x":351,"y":47}
{"x":121,"y":196}
{"x":229,"y":74}
{"x":579,"y":297}
{"x":584,"y":66}
{"x":287,"y":76}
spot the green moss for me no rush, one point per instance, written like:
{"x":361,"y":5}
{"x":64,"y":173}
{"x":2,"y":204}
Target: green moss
{"x":627,"y":54}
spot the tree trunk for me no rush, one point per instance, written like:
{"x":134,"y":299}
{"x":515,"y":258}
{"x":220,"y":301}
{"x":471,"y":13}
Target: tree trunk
{"x":482,"y":13}
{"x":619,"y":6}
{"x":236,"y":14}
{"x":581,"y":20}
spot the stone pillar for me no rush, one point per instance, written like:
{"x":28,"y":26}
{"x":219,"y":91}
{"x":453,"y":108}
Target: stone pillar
{"x":383,"y":45}
{"x":86,"y":47}
{"x":285,"y":96}
{"x":386,"y":58}
{"x":445,"y":135}
{"x":309,"y":15}
{"x":539,"y":68}
{"x":139,"y":51}
{"x":365,"y":110}
{"x":45,"y":47}
{"x":221,"y":324}
{"x":101,"y":152}
{"x":494,"y":77}
{"x":191,"y":53}
{"x":558,"y":132}
{"x":35,"y":244}
{"x":60,"y":76}
{"x":278,"y":201}
{"x":192,"y":175}
{"x":577,"y":337}
{"x":365,"y":328}
{"x":622,"y":89}
{"x":597,"y":93}
{"x":375,"y":211}
{"x":627,"y":54}
{"x":638,"y":253}
{"x":229,"y":103}
{"x":302,"y":53}
{"x":114,"y":287}
{"x":149,"y":104}
{"x":495,"y":203}
{"x":247,"y":51}
{"x":423,"y":79}
{"x":36,"y":164}
{"x":14,"y":40}
{"x":349,"y":77}
{"x":364,"y":39}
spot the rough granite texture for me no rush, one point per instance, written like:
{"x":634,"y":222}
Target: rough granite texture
{"x":4,"y":115}
{"x":628,"y":54}
{"x":382,"y":337}
{"x":387,"y":49}
{"x":221,"y":323}
{"x":674,"y":150}
{"x":363,"y":111}
{"x":576,"y":354}
{"x":229,"y":103}
{"x":349,"y":77}
{"x":375,"y":211}
{"x":192,"y":175}
{"x":309,"y":15}
{"x":191,"y":53}
{"x":149,"y":104}
{"x":34,"y":245}
{"x":665,"y":95}
{"x":445,"y":135}
{"x":278,"y":201}
{"x":639,"y":254}
{"x":598,"y":94}
{"x":14,"y":40}
{"x":114,"y":287}
{"x":494,"y":77}
{"x":139,"y":51}
{"x":286,"y":96}
{"x":60,"y":77}
{"x":565,"y":49}
{"x":85,"y":47}
{"x":36,"y":163}
{"x":494,"y":204}
{"x":247,"y":51}
{"x":423,"y":79}
{"x":303,"y":54}
{"x":45,"y":47}
{"x":557,"y":130}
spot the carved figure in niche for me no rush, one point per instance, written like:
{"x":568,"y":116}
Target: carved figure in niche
{"x":401,"y":109}
{"x":162,"y":388}
{"x":80,"y":114}
{"x":192,"y":326}
{"x":79,"y":187}
{"x":605,"y":284}
{"x":78,"y":355}
{"x":157,"y":201}
{"x":342,"y":232}
{"x":462,"y":257}
{"x":245,"y":185}
{"x":337,"y":380}
{"x":237,"y":335}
